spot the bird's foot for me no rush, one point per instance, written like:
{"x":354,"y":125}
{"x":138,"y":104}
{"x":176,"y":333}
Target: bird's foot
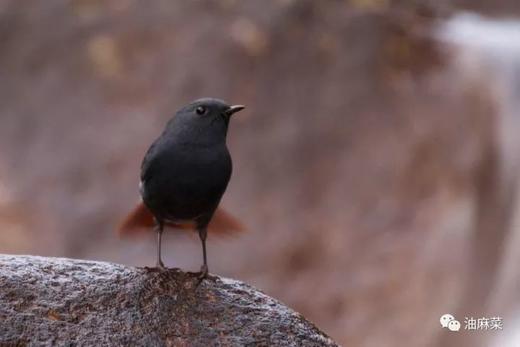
{"x":160,"y":265}
{"x":203,"y":272}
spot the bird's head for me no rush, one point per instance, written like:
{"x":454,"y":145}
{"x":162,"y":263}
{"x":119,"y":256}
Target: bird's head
{"x":204,"y":120}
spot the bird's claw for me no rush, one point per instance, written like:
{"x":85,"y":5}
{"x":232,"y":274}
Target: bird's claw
{"x":203,"y":272}
{"x":160,"y":265}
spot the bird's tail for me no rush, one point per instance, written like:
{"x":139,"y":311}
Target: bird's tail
{"x":140,"y":220}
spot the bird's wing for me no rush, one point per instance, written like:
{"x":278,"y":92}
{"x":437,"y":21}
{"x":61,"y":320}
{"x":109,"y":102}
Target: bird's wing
{"x":148,"y":159}
{"x":140,"y":220}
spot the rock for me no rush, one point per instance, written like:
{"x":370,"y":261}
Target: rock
{"x":65,"y":302}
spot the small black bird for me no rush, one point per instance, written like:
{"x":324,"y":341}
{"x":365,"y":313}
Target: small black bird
{"x":186,"y":171}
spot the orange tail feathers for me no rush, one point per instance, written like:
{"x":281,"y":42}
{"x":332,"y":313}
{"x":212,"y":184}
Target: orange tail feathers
{"x":142,"y":220}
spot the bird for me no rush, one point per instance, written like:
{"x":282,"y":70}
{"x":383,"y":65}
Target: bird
{"x":184,"y":175}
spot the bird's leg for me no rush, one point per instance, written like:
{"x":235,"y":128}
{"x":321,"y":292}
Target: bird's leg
{"x":203,"y":232}
{"x":159,"y":229}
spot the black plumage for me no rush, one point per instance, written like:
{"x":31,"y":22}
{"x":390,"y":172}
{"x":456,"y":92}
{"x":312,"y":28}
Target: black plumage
{"x":187,"y":169}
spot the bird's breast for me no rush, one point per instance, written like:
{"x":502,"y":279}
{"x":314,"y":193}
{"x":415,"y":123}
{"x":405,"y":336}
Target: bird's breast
{"x":188,"y":182}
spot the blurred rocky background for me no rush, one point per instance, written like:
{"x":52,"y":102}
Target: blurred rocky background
{"x":375,"y":167}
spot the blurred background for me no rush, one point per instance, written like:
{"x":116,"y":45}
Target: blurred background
{"x":376,"y":164}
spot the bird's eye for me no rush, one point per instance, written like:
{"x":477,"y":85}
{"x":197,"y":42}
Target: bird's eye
{"x":200,"y":110}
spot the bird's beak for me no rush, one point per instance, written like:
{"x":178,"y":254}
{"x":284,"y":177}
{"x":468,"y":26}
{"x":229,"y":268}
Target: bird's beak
{"x":233,"y":109}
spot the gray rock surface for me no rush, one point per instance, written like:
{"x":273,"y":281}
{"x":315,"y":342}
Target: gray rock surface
{"x":65,"y":302}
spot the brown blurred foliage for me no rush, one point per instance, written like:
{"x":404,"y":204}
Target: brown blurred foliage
{"x":360,"y":165}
